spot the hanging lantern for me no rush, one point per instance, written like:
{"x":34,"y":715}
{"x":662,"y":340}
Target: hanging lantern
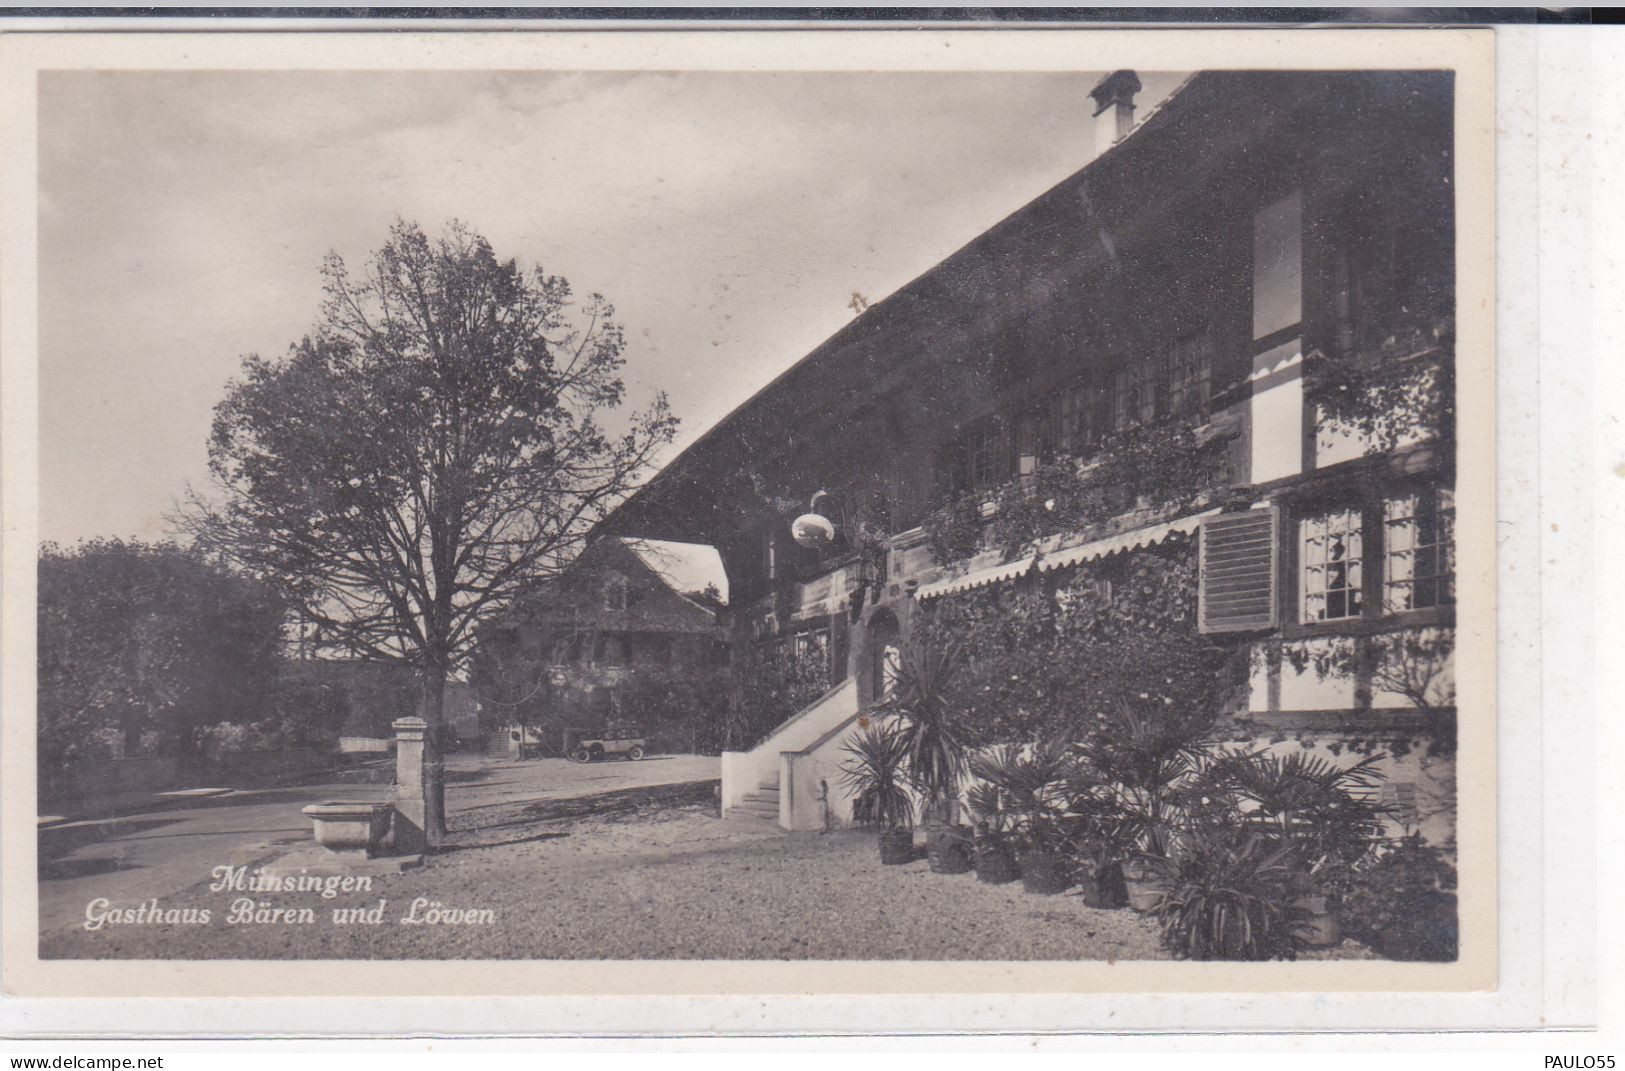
{"x":812,"y":530}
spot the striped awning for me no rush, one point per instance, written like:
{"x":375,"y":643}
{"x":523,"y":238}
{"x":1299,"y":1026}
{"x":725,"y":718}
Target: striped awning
{"x":976,"y":578}
{"x":1117,"y":544}
{"x":1059,"y":559}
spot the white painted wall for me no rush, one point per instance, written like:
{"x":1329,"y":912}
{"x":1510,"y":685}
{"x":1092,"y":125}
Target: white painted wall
{"x":1277,"y":413}
{"x":1432,"y":779}
{"x":744,"y":772}
{"x":1305,"y":690}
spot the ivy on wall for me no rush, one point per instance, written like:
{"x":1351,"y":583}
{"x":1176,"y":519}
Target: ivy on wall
{"x":1401,"y":390}
{"x":1060,"y":654}
{"x":1167,"y":466}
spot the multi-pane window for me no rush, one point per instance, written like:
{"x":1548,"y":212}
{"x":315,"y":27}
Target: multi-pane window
{"x":1408,"y":538}
{"x":1332,"y":555}
{"x":1134,"y":395}
{"x":1389,"y":262}
{"x":1419,"y":544}
{"x":813,"y":644}
{"x":985,"y":462}
{"x":1190,"y":373}
{"x":1080,"y":418}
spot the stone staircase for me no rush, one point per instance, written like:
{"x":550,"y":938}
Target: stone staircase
{"x":751,"y":780}
{"x":760,"y":806}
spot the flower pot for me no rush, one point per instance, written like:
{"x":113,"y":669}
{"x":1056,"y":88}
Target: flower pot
{"x":1045,"y":873}
{"x":1146,"y":884}
{"x":1104,"y":887}
{"x":1320,"y":927}
{"x":897,"y":847}
{"x":995,"y":864}
{"x":948,"y":850}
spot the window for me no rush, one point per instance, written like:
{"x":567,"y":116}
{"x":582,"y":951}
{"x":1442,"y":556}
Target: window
{"x":1419,"y":540}
{"x":1134,"y":395}
{"x":615,"y":593}
{"x":985,"y":462}
{"x":611,"y":650}
{"x":1389,"y":263}
{"x":1190,"y":373}
{"x":1080,"y":418}
{"x":813,"y":644}
{"x":1332,"y":555}
{"x":1399,"y":549}
{"x":770,"y":559}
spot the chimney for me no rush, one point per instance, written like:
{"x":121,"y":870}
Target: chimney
{"x":1114,"y":108}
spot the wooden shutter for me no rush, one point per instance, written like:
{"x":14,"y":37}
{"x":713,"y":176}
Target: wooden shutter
{"x":1238,"y":589}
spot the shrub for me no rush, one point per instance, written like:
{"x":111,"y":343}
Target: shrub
{"x":1404,"y":903}
{"x":776,"y":681}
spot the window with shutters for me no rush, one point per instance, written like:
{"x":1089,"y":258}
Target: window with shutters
{"x":1367,"y":558}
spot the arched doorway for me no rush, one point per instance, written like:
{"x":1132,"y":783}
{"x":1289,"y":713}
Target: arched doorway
{"x":885,"y":654}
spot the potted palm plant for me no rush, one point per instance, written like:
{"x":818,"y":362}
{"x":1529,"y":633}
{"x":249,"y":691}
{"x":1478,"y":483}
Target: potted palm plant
{"x":992,"y":847}
{"x":1232,"y":895}
{"x":1146,"y":761}
{"x":874,"y":773}
{"x":935,"y":757}
{"x":1103,"y":838}
{"x":1033,"y":781}
{"x":1321,"y":810}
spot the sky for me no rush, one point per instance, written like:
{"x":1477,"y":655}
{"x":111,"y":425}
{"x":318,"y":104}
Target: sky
{"x":730,"y":217}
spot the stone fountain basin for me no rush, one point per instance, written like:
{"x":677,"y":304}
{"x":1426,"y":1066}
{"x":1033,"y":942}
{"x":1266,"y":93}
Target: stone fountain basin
{"x":357,"y":829}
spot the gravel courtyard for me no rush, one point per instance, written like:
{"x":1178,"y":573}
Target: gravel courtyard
{"x":646,"y":873}
{"x":581,"y":870}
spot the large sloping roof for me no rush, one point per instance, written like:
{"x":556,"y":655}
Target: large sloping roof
{"x":1178,"y":145}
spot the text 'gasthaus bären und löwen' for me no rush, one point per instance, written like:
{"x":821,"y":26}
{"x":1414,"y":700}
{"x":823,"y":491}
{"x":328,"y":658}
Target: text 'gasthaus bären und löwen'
{"x":242,"y":910}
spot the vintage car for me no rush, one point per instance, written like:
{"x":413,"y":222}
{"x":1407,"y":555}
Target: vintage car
{"x":611,"y":742}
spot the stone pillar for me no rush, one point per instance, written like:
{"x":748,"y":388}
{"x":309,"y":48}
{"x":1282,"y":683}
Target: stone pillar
{"x":417,"y":789}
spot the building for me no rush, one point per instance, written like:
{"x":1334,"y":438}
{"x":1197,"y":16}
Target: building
{"x":1253,"y":282}
{"x":567,"y":654}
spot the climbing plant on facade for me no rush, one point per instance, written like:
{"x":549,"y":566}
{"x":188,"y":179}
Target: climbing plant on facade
{"x":1165,"y":467}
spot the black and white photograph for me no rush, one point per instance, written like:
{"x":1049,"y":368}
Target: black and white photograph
{"x":699,"y":513}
